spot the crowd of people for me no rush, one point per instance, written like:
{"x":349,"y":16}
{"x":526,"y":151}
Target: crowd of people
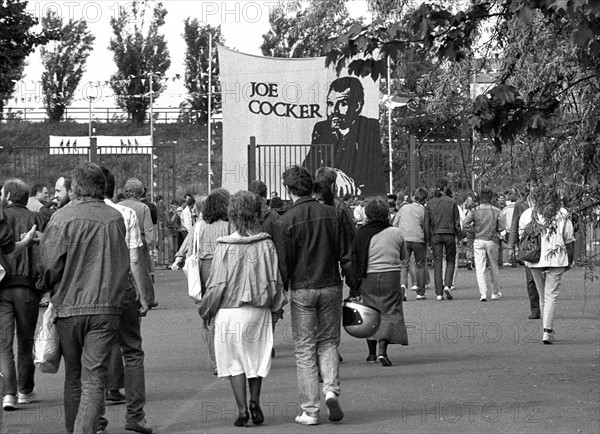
{"x":95,"y":259}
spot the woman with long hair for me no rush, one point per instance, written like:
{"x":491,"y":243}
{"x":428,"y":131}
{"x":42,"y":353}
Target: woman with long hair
{"x":553,"y":224}
{"x":244,"y":288}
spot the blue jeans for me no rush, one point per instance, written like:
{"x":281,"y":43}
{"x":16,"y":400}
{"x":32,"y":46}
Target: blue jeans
{"x":316,"y":316}
{"x":19,"y":308}
{"x":439,"y":243}
{"x":85,"y":342}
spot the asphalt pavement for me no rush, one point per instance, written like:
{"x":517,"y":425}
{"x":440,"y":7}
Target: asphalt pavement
{"x":470,"y":367}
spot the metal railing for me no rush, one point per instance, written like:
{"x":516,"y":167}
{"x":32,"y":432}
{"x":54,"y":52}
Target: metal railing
{"x":98,"y":114}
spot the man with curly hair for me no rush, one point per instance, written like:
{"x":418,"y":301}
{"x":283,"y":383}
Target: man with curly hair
{"x":312,"y":243}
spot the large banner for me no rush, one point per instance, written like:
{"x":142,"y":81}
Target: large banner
{"x":284,"y":101}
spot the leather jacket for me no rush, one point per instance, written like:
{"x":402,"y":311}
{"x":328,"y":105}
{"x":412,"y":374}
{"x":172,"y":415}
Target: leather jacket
{"x":85,"y":259}
{"x":312,"y":243}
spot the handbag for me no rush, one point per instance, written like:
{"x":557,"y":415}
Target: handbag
{"x":530,"y":247}
{"x":191,"y":268}
{"x":46,"y":349}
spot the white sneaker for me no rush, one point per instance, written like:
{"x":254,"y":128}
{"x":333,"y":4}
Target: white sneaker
{"x":307,"y":419}
{"x":333,"y":407}
{"x":9,"y":403}
{"x":448,"y":293}
{"x":421,"y":297}
{"x":26,"y":398}
{"x":440,"y":298}
{"x":496,"y":296}
{"x":483,"y":298}
{"x":414,"y":288}
{"x":548,"y":337}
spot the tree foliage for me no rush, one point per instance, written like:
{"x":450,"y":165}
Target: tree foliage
{"x":64,"y":62}
{"x":197,"y":61}
{"x":141,"y":56}
{"x":540,"y":116}
{"x":298,"y":31}
{"x":17,"y":41}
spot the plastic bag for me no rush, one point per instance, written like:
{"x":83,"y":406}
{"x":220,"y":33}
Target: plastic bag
{"x":46,"y":350}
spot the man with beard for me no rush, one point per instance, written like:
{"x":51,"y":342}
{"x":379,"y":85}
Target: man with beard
{"x":62,"y":191}
{"x":62,"y":197}
{"x":356,"y":138}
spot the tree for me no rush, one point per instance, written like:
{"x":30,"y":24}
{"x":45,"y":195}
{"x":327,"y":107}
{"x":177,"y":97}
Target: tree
{"x":196,"y":67}
{"x":297,"y":32}
{"x":17,"y":41}
{"x":64,"y":62}
{"x":550,"y":117}
{"x":141,"y":56}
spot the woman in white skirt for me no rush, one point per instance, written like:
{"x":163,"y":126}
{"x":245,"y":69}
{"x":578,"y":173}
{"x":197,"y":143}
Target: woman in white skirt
{"x":243,"y":289}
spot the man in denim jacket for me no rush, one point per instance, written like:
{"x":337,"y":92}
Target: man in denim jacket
{"x":312,"y":243}
{"x":85,"y":262}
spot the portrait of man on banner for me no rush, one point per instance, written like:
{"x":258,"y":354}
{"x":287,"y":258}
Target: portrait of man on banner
{"x":355,"y":139}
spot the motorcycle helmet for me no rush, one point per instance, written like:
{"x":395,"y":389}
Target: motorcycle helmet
{"x":360,"y":320}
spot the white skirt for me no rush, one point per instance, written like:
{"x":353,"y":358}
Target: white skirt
{"x":243,"y":341}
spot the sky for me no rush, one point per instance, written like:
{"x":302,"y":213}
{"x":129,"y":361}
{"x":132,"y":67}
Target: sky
{"x":243,"y":22}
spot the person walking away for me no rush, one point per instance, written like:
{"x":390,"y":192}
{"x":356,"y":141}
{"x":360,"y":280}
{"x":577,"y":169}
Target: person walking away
{"x":312,"y":243}
{"x":19,"y":298}
{"x":378,"y":251}
{"x":556,"y":247}
{"x":488,"y":223}
{"x":442,"y":227}
{"x":133,"y":190}
{"x":513,"y":239}
{"x":85,"y":263}
{"x":128,"y":347}
{"x":202,"y":244}
{"x":243,"y":290}
{"x":410,"y":220}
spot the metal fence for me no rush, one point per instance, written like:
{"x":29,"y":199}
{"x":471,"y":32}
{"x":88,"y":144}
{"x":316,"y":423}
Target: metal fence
{"x":267,"y":162}
{"x":97,"y":114}
{"x":35,"y":164}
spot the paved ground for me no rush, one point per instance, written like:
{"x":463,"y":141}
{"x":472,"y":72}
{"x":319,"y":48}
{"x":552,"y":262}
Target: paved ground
{"x":470,"y":367}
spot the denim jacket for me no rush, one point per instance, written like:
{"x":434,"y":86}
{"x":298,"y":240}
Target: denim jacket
{"x":312,"y":243}
{"x":84,"y":259}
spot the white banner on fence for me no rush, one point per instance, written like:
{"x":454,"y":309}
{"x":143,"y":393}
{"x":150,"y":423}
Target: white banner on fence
{"x":283,"y":101}
{"x":60,"y":145}
{"x":107,"y":145}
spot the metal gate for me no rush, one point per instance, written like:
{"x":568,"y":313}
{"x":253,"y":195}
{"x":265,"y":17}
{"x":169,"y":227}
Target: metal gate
{"x":431,"y":160}
{"x":35,"y":164}
{"x":268,"y":162}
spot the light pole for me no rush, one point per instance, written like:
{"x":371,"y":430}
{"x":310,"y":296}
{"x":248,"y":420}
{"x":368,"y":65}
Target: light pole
{"x":209,"y":106}
{"x":93,"y":149}
{"x":90,"y":99}
{"x":151,"y":76}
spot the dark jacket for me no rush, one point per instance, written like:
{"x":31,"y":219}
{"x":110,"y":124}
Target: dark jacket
{"x":267,"y":221}
{"x":22,"y":270}
{"x":84,"y":259}
{"x":312,"y":243}
{"x":513,"y":236}
{"x":441,"y":217}
{"x":7,"y":241}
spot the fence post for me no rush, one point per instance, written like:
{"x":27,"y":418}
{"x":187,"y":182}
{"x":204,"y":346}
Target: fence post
{"x":94,"y":150}
{"x":251,"y":160}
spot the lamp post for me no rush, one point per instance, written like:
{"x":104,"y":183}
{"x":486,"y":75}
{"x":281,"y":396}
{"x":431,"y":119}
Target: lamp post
{"x":151,"y":76}
{"x":93,"y":151}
